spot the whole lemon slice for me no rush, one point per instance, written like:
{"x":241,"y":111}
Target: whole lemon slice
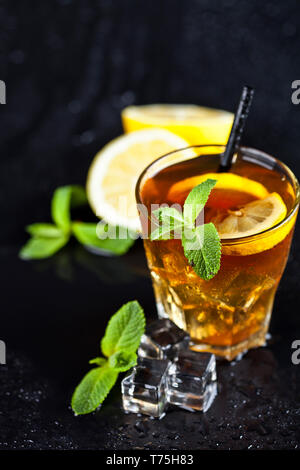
{"x":114,"y":172}
{"x":197,"y":124}
{"x":251,"y":219}
{"x":225,"y":181}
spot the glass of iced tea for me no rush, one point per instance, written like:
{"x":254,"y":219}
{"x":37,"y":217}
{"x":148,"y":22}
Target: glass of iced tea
{"x":254,"y":207}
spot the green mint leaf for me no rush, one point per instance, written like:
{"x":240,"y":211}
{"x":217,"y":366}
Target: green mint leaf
{"x":88,"y":234}
{"x":170,"y":223}
{"x":121,"y":340}
{"x":93,"y":389}
{"x":124,"y":329}
{"x":122,"y":360}
{"x":202,"y":248}
{"x":201,"y":244}
{"x":165,"y":214}
{"x":63,"y":199}
{"x":196,"y":201}
{"x":78,"y":196}
{"x":38,"y":247}
{"x":163,"y":232}
{"x":44,"y":230}
{"x":166,"y":232}
{"x":60,"y":207}
{"x":99,"y":361}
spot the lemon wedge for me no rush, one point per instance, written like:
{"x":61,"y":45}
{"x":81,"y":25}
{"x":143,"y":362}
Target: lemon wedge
{"x":114,"y":172}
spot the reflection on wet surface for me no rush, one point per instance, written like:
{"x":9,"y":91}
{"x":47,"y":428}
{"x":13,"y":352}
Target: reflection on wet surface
{"x":55,"y":312}
{"x":108,"y":269}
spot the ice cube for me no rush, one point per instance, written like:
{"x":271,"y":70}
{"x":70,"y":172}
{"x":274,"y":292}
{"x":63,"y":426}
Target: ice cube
{"x":246,"y":290}
{"x":144,"y":390}
{"x":163,"y":340}
{"x":192,"y":380}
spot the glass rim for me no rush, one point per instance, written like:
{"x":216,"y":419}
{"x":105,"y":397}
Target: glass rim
{"x":254,"y":153}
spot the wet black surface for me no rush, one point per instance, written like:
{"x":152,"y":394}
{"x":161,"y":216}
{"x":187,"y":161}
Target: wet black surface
{"x":52,"y":324}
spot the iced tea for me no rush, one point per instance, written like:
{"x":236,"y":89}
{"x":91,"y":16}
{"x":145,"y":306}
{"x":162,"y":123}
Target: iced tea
{"x":231,"y":312}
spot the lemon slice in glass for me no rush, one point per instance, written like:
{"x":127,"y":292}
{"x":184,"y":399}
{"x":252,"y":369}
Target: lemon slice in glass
{"x":253,"y":218}
{"x":225,"y":181}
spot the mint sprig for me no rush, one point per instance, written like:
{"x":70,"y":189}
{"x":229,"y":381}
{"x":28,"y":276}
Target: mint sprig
{"x":201,"y":243}
{"x":119,"y":345}
{"x":48,"y":238}
{"x":88,"y":235}
{"x":63,"y":199}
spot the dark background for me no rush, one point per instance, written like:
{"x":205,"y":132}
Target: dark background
{"x":69,"y":68}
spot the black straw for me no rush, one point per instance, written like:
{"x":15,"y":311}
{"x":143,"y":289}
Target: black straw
{"x":237,"y":128}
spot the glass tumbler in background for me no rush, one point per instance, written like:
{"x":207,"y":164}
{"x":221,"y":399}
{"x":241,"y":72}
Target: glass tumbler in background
{"x":230,"y":313}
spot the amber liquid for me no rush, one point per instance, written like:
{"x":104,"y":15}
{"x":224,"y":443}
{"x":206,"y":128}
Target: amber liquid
{"x":231,"y":312}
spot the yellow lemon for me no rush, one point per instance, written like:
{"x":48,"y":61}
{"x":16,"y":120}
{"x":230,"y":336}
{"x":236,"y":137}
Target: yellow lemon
{"x":225,"y":181}
{"x":115,"y":170}
{"x":251,"y":219}
{"x":197,"y":124}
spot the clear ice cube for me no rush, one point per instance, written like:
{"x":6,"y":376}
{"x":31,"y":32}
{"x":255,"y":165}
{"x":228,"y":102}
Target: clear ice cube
{"x":163,"y":340}
{"x":144,"y":390}
{"x":246,"y":290}
{"x":192,"y":380}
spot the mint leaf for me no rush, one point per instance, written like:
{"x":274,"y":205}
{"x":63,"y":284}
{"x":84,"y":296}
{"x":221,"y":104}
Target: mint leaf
{"x":41,"y":247}
{"x":163,"y":232}
{"x":124,"y":329}
{"x":170,"y":223}
{"x":196,"y":201}
{"x":203,"y":250}
{"x":93,"y":389}
{"x":87,"y":234}
{"x":78,"y":196}
{"x":165,"y":214}
{"x":201,"y":244}
{"x":44,"y":230}
{"x":100,"y":361}
{"x":121,"y":340}
{"x":63,"y":199}
{"x":122,"y":360}
{"x":95,"y":236}
{"x":60,"y":207}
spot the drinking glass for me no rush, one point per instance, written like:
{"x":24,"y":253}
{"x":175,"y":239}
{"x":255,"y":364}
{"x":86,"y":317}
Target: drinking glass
{"x":231,"y":312}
